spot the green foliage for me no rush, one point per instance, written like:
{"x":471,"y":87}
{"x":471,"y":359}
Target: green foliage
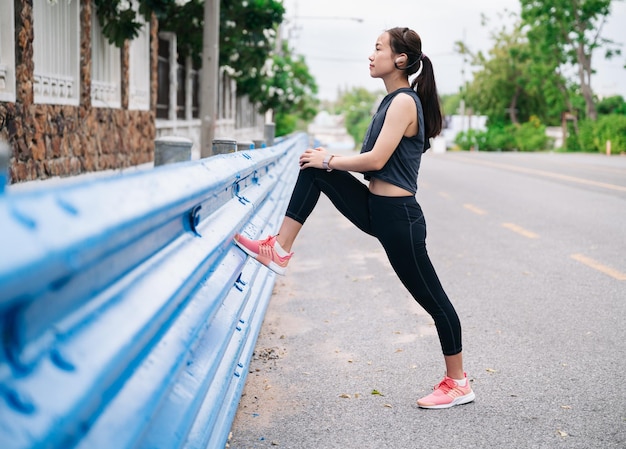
{"x":357,"y":106}
{"x":247,"y":33}
{"x":567,"y":33}
{"x":529,"y":136}
{"x":451,"y":103}
{"x":522,"y":75}
{"x":285,"y":85}
{"x":511,"y":83}
{"x":471,"y":140}
{"x":612,"y":105}
{"x":285,"y":124}
{"x":246,"y":50}
{"x":593,"y":135}
{"x":500,"y":138}
{"x":119,"y":21}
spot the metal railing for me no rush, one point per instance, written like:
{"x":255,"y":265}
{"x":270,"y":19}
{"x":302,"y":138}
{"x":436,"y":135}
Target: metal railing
{"x":128,"y":317}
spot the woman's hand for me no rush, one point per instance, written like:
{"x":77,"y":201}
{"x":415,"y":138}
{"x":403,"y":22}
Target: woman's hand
{"x":313,"y":158}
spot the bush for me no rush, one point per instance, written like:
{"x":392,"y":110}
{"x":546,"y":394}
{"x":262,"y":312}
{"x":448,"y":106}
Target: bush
{"x":285,"y":124}
{"x":584,"y":141}
{"x":611,"y":127}
{"x":592,"y":136}
{"x":501,"y":138}
{"x":471,"y":140}
{"x":531,"y":136}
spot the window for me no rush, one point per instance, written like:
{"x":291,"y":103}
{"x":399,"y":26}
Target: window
{"x":163,"y":90}
{"x":178,"y":83}
{"x":56,"y":49}
{"x":181,"y":88}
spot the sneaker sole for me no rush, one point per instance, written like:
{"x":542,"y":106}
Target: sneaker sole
{"x":457,"y":401}
{"x":272,"y":265}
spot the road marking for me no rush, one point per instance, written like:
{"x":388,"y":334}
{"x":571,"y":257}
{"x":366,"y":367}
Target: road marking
{"x":521,"y":231}
{"x":548,"y":174}
{"x":445,"y":195}
{"x":476,"y":210}
{"x":600,"y":267}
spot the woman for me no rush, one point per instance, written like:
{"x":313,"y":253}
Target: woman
{"x":387,"y":208}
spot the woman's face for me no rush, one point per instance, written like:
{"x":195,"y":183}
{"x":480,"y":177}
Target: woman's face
{"x":381,"y":60}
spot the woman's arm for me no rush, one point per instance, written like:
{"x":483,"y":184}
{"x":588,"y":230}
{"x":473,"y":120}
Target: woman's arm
{"x":401,"y":115}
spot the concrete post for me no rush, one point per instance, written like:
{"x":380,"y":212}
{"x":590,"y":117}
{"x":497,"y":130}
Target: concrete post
{"x":171,"y":149}
{"x":210,"y":75}
{"x":223,"y":146}
{"x":270,"y":133}
{"x":5,"y":157}
{"x":245,"y":145}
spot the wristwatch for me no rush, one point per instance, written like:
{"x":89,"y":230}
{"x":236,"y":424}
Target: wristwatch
{"x":326,"y":161}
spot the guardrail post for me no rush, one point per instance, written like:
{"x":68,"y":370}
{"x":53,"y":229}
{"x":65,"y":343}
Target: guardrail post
{"x":5,"y":156}
{"x":171,"y":149}
{"x":245,"y":145}
{"x":270,"y":133}
{"x":223,"y":146}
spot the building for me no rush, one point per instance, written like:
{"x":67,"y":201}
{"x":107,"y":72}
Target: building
{"x":70,"y":102}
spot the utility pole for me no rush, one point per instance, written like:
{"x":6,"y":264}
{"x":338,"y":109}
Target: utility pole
{"x":210,"y":78}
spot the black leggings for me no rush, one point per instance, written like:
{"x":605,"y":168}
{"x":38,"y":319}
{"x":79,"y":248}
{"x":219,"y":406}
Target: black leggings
{"x":398,"y":223}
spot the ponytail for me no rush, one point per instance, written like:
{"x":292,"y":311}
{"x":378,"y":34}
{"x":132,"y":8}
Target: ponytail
{"x":405,"y":40}
{"x":426,"y":87}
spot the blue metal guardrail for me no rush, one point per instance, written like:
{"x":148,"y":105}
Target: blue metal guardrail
{"x":127,"y":316}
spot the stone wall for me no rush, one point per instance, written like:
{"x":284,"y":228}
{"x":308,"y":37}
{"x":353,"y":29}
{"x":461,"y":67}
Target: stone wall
{"x":55,"y":140}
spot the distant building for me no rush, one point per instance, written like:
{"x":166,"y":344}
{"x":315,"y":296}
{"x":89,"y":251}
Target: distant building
{"x":330,"y":131}
{"x":454,"y":124}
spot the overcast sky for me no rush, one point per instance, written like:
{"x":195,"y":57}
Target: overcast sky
{"x":336,"y":47}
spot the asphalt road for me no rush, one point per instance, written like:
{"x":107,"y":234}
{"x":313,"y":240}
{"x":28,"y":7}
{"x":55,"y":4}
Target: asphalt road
{"x":531,"y":249}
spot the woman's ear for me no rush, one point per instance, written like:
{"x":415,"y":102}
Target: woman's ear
{"x":400,"y":60}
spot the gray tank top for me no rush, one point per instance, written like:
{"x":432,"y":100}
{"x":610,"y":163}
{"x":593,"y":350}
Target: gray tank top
{"x":402,"y":167}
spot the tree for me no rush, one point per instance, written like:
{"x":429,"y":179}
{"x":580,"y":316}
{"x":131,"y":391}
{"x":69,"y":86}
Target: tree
{"x":247,"y":44}
{"x":451,"y":103}
{"x":612,"y":105}
{"x":512,"y":84}
{"x":286,"y":87}
{"x":120,"y":21}
{"x":569,"y":31}
{"x":357,"y":105}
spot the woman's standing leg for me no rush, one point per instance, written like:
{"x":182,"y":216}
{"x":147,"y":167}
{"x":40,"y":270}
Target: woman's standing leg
{"x":400,"y":226}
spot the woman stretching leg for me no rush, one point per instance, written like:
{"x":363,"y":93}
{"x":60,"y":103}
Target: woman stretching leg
{"x":386,"y":208}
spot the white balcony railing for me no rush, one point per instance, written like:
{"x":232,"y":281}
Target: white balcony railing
{"x":56,"y":49}
{"x":139,"y":70}
{"x":7,"y":52}
{"x":106,"y":68}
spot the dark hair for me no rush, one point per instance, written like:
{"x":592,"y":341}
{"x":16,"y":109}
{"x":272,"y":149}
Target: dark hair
{"x":405,"y":40}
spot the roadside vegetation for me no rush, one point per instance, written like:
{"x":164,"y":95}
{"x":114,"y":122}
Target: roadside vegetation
{"x":536,"y":75}
{"x":522,"y":86}
{"x":250,"y":49}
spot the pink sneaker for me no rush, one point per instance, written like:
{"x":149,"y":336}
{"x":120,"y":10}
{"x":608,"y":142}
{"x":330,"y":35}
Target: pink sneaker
{"x":448,"y":394}
{"x":264,"y":252}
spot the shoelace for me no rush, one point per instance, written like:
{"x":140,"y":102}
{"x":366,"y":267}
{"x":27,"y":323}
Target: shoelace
{"x":446,"y":385}
{"x":267,"y":241}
